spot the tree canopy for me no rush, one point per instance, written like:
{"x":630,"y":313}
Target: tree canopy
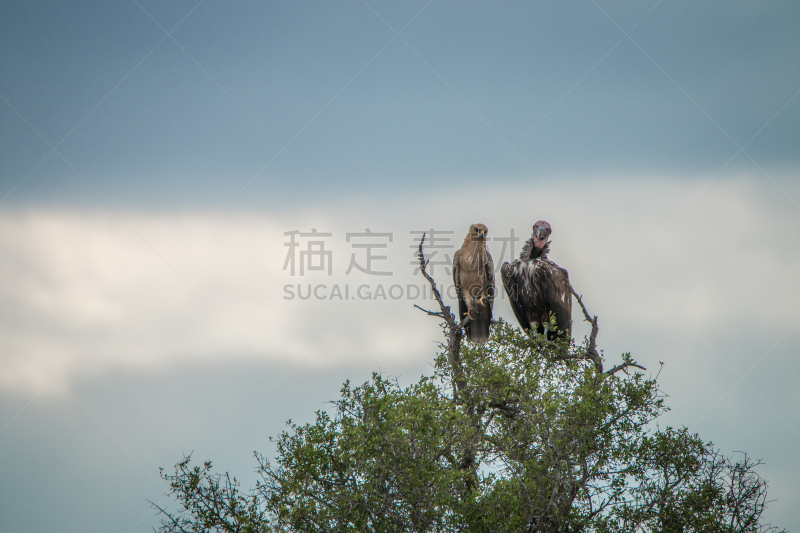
{"x":519,"y":434}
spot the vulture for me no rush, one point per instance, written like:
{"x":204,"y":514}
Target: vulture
{"x":473,"y":276}
{"x":536,"y":287}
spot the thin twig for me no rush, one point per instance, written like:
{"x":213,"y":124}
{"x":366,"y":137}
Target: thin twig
{"x":447,"y":315}
{"x":431,"y":313}
{"x":623,"y":366}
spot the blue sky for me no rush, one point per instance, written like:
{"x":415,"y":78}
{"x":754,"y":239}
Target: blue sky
{"x":152,"y":155}
{"x":191,"y":118}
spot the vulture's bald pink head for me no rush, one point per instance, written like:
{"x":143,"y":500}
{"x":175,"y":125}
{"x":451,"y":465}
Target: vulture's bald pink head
{"x":541,"y":232}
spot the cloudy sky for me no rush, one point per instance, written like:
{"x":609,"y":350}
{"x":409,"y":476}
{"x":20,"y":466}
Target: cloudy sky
{"x":158,"y":160}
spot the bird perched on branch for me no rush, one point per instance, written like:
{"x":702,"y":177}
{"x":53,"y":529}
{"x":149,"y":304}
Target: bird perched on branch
{"x":473,"y":275}
{"x":537,"y":287}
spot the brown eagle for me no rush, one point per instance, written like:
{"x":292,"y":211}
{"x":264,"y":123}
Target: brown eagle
{"x":473,"y":276}
{"x":537,"y":287}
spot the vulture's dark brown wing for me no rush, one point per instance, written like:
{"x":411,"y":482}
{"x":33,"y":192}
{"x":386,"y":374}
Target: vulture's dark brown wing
{"x":514,"y":287}
{"x":555,"y":295}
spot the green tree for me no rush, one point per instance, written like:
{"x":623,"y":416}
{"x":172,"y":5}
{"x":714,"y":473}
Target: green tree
{"x":519,"y":434}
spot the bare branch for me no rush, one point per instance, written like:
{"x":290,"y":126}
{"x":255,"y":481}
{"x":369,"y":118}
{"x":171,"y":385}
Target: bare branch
{"x":431,"y":313}
{"x":454,"y":329}
{"x":446,"y":314}
{"x":591,"y":349}
{"x":623,"y":366}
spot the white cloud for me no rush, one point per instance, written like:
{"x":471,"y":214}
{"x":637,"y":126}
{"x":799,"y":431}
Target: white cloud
{"x":649,"y":255}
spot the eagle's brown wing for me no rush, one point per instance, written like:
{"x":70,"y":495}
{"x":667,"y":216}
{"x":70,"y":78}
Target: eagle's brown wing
{"x":481,"y":283}
{"x":462,"y":305}
{"x":489,"y":288}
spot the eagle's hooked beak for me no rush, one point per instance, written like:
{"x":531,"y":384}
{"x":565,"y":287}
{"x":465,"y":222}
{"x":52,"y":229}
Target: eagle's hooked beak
{"x":481,"y":233}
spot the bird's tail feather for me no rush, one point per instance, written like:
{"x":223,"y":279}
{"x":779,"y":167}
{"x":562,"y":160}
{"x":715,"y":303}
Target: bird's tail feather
{"x":478,"y":330}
